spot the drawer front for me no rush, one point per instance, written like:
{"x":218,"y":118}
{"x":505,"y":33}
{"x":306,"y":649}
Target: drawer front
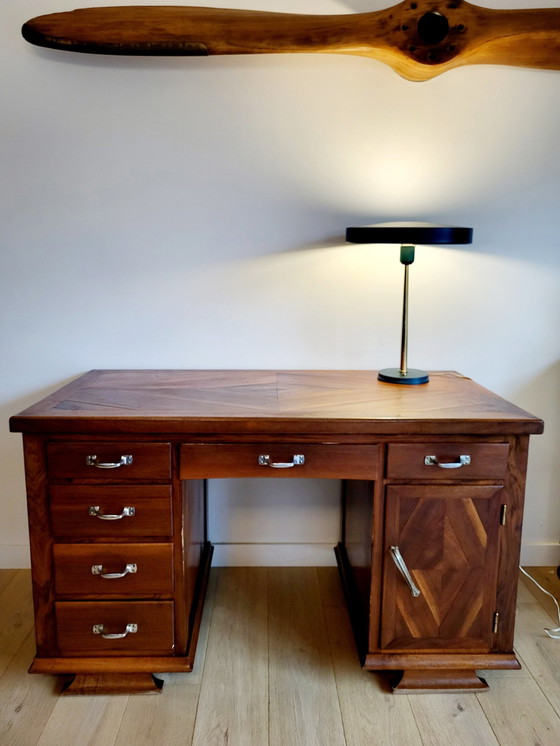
{"x":113,"y":570}
{"x":81,"y":627}
{"x":220,"y":460}
{"x":109,"y":461}
{"x":107,"y":511}
{"x":455,"y":461}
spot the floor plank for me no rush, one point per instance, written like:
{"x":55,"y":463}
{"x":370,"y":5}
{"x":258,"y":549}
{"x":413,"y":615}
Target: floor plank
{"x":444,"y":719}
{"x":277,"y":666}
{"x":6,"y":577}
{"x":371,"y":714}
{"x":16,"y":615}
{"x":233,"y":705}
{"x":330,"y":587}
{"x":304,"y":706}
{"x":520,"y":714}
{"x":87,"y":720}
{"x":26,"y":701}
{"x":169,"y":718}
{"x":540,"y":653}
{"x":548,"y":578}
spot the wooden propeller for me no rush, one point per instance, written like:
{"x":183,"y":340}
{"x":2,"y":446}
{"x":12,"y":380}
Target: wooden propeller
{"x":419,"y":39}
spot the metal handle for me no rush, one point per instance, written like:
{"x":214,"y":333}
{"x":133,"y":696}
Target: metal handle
{"x":93,"y":510}
{"x":403,"y":569}
{"x":297,"y":460}
{"x":129,"y":629}
{"x":98,"y":570}
{"x":124,"y":461}
{"x":464,"y":460}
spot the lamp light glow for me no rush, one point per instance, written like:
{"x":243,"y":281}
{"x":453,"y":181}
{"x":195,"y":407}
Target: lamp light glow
{"x":408,"y":235}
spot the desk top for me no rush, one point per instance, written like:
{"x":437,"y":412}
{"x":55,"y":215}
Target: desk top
{"x":299,"y":402}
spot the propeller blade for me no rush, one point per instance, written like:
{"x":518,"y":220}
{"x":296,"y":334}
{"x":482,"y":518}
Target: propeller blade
{"x":419,"y":40}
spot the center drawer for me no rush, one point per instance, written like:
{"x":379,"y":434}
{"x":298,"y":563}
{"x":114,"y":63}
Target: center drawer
{"x":113,"y":570}
{"x":222,"y":460}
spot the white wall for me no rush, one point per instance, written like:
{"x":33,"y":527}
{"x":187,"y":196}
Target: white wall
{"x":190,"y":213}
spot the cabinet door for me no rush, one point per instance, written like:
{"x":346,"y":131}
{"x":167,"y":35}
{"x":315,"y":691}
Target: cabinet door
{"x":448,"y":537}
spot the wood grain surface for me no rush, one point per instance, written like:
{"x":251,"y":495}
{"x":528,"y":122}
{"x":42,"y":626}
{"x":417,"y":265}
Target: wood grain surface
{"x":257,"y":401}
{"x":419,"y":40}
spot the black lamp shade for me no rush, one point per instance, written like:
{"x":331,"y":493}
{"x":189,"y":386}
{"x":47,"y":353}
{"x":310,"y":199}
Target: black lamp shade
{"x":410,"y":233}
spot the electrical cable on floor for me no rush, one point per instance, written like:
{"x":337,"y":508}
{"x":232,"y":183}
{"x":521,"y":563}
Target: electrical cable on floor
{"x":554,"y":633}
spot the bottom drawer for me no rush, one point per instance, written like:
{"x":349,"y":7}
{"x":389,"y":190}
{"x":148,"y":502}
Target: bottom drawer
{"x":115,"y":628}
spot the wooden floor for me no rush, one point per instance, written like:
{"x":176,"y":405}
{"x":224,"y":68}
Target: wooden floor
{"x":277,"y":665}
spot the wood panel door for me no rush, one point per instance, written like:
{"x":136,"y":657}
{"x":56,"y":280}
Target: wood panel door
{"x":448,"y":538}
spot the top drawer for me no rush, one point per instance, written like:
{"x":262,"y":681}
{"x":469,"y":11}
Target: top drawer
{"x":455,"y":461}
{"x":329,"y":461}
{"x":109,"y":461}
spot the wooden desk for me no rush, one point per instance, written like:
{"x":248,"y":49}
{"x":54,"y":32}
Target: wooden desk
{"x":116,"y":467}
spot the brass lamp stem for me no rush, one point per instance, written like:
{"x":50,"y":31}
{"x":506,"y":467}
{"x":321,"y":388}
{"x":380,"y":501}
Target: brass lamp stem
{"x":404,"y":328}
{"x":407,"y":257}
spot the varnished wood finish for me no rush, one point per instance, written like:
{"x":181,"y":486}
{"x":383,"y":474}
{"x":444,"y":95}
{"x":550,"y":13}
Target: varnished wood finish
{"x":475,"y":35}
{"x":390,"y":661}
{"x":41,"y":542}
{"x":149,"y":460}
{"x":285,"y":403}
{"x":128,"y":683}
{"x":75,"y":621}
{"x":448,"y":537}
{"x":487,"y":461}
{"x":70,"y":516}
{"x":115,"y":664}
{"x":183,"y":427}
{"x":510,"y":541}
{"x":209,"y":460}
{"x":442,"y":681}
{"x":153,"y":577}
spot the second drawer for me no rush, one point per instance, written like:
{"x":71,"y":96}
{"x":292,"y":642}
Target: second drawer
{"x":113,"y":570}
{"x":115,"y":511}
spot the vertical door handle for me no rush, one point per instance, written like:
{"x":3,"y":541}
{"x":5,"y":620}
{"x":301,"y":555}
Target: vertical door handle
{"x":404,"y":571}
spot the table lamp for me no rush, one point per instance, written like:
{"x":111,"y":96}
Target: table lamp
{"x":408,"y":235}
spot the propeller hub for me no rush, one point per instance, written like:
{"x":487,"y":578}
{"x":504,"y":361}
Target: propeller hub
{"x":432,"y":27}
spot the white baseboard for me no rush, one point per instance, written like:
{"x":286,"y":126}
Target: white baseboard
{"x":318,"y":555}
{"x":290,"y":555}
{"x":14,"y":557}
{"x":273,"y":555}
{"x":545,"y":554}
{"x":225,"y":555}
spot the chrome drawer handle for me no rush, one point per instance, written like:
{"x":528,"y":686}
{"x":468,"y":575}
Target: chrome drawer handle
{"x":93,"y":510}
{"x":297,"y":460}
{"x":98,"y":570}
{"x":129,"y":629}
{"x":403,"y":569}
{"x":92,"y":461}
{"x":433,"y":461}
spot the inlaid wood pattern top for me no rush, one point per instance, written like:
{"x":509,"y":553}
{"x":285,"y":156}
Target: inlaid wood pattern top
{"x":253,"y":401}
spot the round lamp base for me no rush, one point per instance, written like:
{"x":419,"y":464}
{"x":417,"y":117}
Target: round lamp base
{"x":394,"y":375}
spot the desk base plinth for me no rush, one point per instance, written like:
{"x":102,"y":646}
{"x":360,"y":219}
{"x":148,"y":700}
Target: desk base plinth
{"x":431,"y":681}
{"x":120,"y":683}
